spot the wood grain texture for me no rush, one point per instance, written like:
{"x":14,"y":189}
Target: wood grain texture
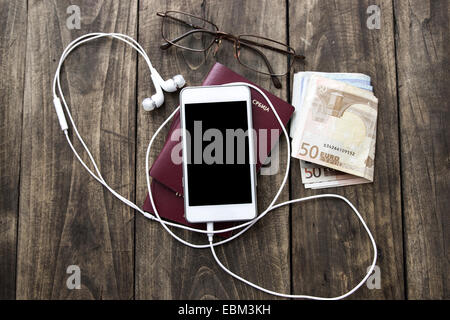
{"x":53,"y":214}
{"x":13,"y":15}
{"x":331,"y":250}
{"x":66,"y":217}
{"x":165,"y":268}
{"x":423,"y":84}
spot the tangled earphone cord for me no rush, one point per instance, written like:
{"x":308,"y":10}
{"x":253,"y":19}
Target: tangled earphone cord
{"x":156,"y":217}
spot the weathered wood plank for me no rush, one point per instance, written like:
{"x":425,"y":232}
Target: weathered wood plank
{"x":331,"y":251}
{"x":13,"y":15}
{"x":423,"y":77}
{"x":66,"y":217}
{"x":165,"y":268}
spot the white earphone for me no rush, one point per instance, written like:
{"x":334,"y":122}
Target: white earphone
{"x":156,"y":101}
{"x":171,"y":85}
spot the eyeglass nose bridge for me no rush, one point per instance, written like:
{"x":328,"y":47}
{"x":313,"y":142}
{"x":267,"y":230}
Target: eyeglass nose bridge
{"x":218,"y":42}
{"x":227,"y":36}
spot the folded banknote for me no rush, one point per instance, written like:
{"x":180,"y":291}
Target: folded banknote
{"x":335,"y":127}
{"x":315,"y":176}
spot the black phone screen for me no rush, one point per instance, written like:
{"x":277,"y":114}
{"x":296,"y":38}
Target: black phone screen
{"x":218,"y":163}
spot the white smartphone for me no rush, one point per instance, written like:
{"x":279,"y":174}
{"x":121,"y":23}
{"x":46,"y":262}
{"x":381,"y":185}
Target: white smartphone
{"x":219,"y":176}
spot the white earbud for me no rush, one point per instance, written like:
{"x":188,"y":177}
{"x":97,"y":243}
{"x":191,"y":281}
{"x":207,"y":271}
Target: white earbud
{"x":170,"y":85}
{"x":173,"y":84}
{"x":156,"y":100}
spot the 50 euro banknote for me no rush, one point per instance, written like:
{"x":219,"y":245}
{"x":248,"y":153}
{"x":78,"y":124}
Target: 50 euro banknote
{"x":337,"y":129}
{"x":315,"y":176}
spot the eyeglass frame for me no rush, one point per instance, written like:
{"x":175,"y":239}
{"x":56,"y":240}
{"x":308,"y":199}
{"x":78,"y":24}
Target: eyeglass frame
{"x":237,"y":43}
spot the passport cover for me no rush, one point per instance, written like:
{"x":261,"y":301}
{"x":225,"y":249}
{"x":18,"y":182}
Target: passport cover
{"x":167,"y":176}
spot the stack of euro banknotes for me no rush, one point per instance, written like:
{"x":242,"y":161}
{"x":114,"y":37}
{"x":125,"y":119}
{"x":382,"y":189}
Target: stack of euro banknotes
{"x":333,"y":128}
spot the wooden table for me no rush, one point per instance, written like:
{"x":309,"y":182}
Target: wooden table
{"x":53,"y":214}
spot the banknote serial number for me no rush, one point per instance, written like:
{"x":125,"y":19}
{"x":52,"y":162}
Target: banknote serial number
{"x":306,"y":150}
{"x":338,"y":149}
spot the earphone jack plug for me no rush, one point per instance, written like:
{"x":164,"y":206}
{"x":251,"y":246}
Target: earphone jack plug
{"x":210,"y":229}
{"x":60,"y":114}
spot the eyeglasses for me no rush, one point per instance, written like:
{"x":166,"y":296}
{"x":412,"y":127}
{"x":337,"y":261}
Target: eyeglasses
{"x":256,"y":53}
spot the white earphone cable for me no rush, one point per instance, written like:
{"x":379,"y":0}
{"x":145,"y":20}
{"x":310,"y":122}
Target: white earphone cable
{"x":165,"y":224}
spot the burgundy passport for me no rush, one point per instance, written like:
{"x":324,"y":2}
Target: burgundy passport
{"x":167,"y":176}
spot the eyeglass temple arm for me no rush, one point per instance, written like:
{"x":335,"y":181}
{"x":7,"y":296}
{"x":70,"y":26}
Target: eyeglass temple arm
{"x":275,"y":80}
{"x":246,"y":41}
{"x":166,"y":45}
{"x":162,"y":14}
